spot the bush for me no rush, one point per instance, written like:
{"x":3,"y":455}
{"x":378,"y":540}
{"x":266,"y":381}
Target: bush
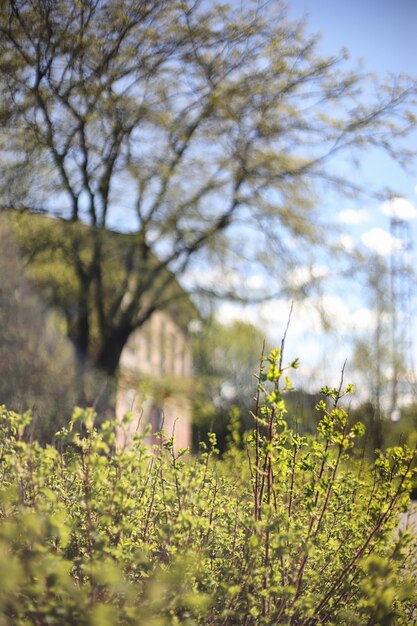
{"x":292,"y":530}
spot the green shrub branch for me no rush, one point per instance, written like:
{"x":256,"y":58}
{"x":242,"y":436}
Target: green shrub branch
{"x":285,"y":530}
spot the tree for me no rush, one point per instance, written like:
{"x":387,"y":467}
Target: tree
{"x":183,"y":122}
{"x":226,"y":360}
{"x":373,"y":352}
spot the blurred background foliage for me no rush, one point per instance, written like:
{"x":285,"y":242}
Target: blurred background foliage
{"x":36,"y":364}
{"x":37,"y":360}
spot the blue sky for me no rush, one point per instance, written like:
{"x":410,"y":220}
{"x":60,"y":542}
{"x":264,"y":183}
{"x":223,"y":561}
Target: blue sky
{"x":382,"y":35}
{"x":381,"y":32}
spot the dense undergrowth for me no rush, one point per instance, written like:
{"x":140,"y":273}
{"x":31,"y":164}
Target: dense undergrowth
{"x":283,"y":530}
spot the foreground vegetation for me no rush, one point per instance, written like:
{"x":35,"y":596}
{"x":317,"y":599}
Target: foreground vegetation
{"x":284,"y":529}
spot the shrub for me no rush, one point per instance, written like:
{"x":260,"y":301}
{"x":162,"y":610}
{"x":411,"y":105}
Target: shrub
{"x":292,"y":530}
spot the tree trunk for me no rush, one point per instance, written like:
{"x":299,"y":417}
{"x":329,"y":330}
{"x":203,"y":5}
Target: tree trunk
{"x":80,"y":362}
{"x":108,"y":358}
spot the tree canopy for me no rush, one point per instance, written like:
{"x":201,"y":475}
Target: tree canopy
{"x":183,"y":122}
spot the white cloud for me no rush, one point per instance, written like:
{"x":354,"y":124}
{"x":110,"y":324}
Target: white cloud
{"x":256,"y":281}
{"x":346,"y":242}
{"x":321,"y":353}
{"x":228,"y":312}
{"x":211,"y":278}
{"x":362,"y":319}
{"x":217,"y":278}
{"x":343,"y":318}
{"x":380,"y":241}
{"x":401,"y":208}
{"x":306,"y":319}
{"x":353,"y":216}
{"x":305,"y":274}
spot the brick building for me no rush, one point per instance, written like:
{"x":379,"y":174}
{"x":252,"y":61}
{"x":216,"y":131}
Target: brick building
{"x":155,"y":379}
